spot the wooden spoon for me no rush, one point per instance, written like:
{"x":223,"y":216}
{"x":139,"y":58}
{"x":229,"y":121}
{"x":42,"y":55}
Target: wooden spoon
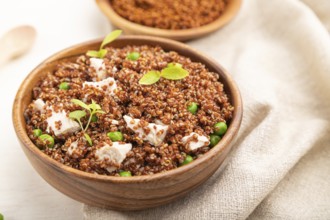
{"x":16,"y":42}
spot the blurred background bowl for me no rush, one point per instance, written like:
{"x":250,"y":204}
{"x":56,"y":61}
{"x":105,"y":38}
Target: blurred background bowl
{"x":129,"y":27}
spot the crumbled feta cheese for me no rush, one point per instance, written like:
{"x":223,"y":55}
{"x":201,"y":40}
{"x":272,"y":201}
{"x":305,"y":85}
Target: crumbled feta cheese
{"x":114,"y":69}
{"x":201,"y":141}
{"x":68,"y":125}
{"x":99,"y":67}
{"x":114,"y":122}
{"x":73,"y":146}
{"x":116,"y":153}
{"x":159,"y":122}
{"x":106,"y":82}
{"x":155,"y":136}
{"x":39,"y":105}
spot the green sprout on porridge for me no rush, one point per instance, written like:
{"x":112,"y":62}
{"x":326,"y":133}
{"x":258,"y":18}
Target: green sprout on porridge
{"x":92,"y":109}
{"x":108,"y":39}
{"x":96,"y":112}
{"x":173,"y":71}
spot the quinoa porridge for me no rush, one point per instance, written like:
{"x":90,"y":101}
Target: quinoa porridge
{"x":95,"y":115}
{"x":170,"y":14}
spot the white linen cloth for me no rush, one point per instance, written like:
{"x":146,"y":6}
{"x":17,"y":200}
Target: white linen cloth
{"x":279,"y":54}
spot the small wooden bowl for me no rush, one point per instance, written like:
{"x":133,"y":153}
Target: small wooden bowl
{"x":181,"y":35}
{"x":125,"y":193}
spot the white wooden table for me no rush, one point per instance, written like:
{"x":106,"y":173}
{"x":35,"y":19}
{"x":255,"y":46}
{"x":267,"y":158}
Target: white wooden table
{"x":60,"y":24}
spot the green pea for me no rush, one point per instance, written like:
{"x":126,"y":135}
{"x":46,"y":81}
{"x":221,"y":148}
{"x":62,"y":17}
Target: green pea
{"x":64,"y":86}
{"x":1,"y":217}
{"x":115,"y":136}
{"x":125,"y":173}
{"x":214,"y":140}
{"x":37,"y":132}
{"x":192,"y":108}
{"x":187,"y":160}
{"x":133,"y":56}
{"x":220,"y":128}
{"x":94,"y":118}
{"x":47,"y":139}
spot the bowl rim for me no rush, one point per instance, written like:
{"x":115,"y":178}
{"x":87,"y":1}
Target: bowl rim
{"x":225,"y":142}
{"x":230,"y":12}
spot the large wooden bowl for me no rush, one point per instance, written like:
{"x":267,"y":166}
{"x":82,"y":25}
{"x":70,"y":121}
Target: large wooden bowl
{"x":129,"y":193}
{"x":181,"y":35}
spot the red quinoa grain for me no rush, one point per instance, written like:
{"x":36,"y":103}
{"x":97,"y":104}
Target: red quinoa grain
{"x":170,"y":14}
{"x":163,"y":102}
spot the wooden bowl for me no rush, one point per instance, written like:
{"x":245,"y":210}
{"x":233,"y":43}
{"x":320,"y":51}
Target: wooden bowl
{"x":181,"y":35}
{"x":128,"y":193}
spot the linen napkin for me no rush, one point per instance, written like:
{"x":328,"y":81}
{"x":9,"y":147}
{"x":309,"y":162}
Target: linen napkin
{"x":279,"y":54}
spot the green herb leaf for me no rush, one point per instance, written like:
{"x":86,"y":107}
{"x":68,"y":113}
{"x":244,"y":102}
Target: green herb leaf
{"x":80,"y":103}
{"x":100,"y":112}
{"x":174,"y":73}
{"x":111,"y":37}
{"x":174,"y":64}
{"x":77,"y":114}
{"x":150,"y":77}
{"x":98,"y":54}
{"x":88,"y":139}
{"x":102,"y":53}
{"x":94,"y":106}
{"x":93,"y":53}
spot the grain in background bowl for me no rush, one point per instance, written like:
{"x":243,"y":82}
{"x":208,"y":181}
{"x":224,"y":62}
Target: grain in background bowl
{"x":130,"y":27}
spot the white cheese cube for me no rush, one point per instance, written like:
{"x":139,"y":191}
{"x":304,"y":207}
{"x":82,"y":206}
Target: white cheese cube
{"x":106,"y":82}
{"x":114,"y":122}
{"x":201,"y":141}
{"x":68,"y":125}
{"x":39,"y":105}
{"x":73,"y":147}
{"x":99,"y":66}
{"x":116,"y":153}
{"x":114,"y":69}
{"x":156,"y":135}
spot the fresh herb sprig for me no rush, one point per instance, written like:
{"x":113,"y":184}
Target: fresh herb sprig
{"x":102,"y":52}
{"x":92,"y":109}
{"x":173,"y":71}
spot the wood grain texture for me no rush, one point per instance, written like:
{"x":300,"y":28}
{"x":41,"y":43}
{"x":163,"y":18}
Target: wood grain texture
{"x":181,"y":35}
{"x":129,"y":193}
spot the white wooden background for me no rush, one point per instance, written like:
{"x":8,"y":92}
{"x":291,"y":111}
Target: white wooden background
{"x":60,"y":24}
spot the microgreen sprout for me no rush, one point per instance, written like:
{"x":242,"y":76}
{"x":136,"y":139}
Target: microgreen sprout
{"x":88,"y":139}
{"x":173,"y":71}
{"x":92,"y":109}
{"x":108,"y":39}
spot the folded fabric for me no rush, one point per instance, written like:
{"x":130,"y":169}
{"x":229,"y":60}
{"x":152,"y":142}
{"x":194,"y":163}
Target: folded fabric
{"x":279,"y":54}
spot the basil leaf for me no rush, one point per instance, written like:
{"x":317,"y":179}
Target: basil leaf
{"x":88,"y":139}
{"x":80,"y":103}
{"x":174,"y":64}
{"x":77,"y":114}
{"x":94,"y":106}
{"x":92,"y":53}
{"x":111,"y":37}
{"x":98,"y":54}
{"x":150,"y":77}
{"x":174,"y":73}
